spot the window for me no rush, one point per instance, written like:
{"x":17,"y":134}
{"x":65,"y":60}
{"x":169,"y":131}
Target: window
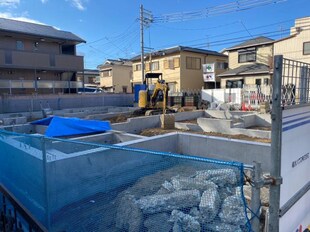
{"x":68,"y":49}
{"x":106,"y":73}
{"x":176,"y":62}
{"x":155,"y":65}
{"x":169,"y":64}
{"x":221,"y":65}
{"x":258,"y":81}
{"x":193,"y":63}
{"x":172,"y":63}
{"x":266,"y":81}
{"x":247,"y":55}
{"x":137,"y":67}
{"x":152,"y":66}
{"x":8,"y":57}
{"x":234,"y":84}
{"x":306,"y":49}
{"x":19,"y":45}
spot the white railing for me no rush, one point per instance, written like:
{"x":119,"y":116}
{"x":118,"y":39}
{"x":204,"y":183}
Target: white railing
{"x":251,"y":96}
{"x":222,"y":95}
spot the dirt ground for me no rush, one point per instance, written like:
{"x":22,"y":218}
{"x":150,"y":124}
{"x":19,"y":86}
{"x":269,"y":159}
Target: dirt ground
{"x":159,"y":131}
{"x":119,"y":118}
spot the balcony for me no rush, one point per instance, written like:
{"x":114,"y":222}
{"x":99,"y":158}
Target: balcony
{"x":36,"y":60}
{"x":28,"y":86}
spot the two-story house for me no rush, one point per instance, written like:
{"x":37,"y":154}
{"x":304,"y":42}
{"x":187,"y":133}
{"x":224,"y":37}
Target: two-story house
{"x":181,"y":67}
{"x":89,"y":77}
{"x":37,"y":58}
{"x":250,"y":63}
{"x":116,"y":76}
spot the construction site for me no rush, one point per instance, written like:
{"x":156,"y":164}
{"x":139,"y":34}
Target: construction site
{"x":105,"y":168}
{"x":94,"y":180}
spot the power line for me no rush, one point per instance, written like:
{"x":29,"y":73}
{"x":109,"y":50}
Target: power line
{"x":197,"y":29}
{"x":246,"y":29}
{"x":231,"y":33}
{"x":239,"y":39}
{"x":124,"y":33}
{"x":235,"y":6}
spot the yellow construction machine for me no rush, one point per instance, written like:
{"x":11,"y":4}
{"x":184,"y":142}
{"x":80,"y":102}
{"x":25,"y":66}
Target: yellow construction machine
{"x":154,"y":99}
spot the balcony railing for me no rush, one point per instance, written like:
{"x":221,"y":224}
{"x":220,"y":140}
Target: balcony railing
{"x":36,"y":60}
{"x":11,"y":86}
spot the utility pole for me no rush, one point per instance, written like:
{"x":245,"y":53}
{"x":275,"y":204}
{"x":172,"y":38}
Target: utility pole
{"x":146,"y":18}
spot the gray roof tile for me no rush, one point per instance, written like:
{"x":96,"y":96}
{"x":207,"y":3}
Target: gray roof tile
{"x":172,"y":50}
{"x":36,"y":30}
{"x":252,"y":42}
{"x":246,"y":70}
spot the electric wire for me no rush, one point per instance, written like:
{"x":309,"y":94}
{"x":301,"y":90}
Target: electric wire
{"x":235,"y":6}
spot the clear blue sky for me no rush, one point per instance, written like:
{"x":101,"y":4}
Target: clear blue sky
{"x":111,"y":28}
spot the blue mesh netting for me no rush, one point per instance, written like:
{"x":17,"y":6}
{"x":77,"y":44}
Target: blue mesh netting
{"x":89,"y":187}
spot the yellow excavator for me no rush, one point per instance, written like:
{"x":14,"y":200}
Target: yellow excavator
{"x":154,"y":99}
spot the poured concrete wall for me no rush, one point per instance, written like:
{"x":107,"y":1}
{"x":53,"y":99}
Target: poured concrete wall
{"x":209,"y":147}
{"x":99,"y":170}
{"x":136,"y":125}
{"x":226,"y":149}
{"x":227,"y":127}
{"x":109,"y":138}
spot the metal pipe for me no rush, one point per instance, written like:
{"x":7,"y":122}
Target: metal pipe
{"x":46,"y":182}
{"x":255,"y":198}
{"x":276,"y":136}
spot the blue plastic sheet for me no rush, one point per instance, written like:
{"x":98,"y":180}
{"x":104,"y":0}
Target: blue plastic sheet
{"x":60,"y":126}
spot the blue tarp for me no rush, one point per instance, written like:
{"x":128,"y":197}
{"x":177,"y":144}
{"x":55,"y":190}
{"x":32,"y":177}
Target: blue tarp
{"x":59,"y":126}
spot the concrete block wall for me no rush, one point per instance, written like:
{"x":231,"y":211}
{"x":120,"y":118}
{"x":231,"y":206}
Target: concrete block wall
{"x":13,"y":104}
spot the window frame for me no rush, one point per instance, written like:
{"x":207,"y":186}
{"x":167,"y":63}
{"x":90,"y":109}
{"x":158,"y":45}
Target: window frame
{"x":138,"y":67}
{"x":247,"y":52}
{"x":108,"y":72}
{"x":20,"y":46}
{"x":154,"y":66}
{"x":191,"y":63}
{"x":234,"y":84}
{"x":303,"y":48}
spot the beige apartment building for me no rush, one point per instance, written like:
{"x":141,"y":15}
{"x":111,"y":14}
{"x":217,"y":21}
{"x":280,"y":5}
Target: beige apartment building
{"x":181,"y":67}
{"x":297,"y":45}
{"x":250,"y":63}
{"x":116,"y":76}
{"x":37,"y":59}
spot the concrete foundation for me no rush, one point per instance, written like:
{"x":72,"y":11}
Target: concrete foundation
{"x":227,"y":127}
{"x":71,"y":164}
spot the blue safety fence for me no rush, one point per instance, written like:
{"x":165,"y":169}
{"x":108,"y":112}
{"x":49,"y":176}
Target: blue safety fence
{"x":76,"y":186}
